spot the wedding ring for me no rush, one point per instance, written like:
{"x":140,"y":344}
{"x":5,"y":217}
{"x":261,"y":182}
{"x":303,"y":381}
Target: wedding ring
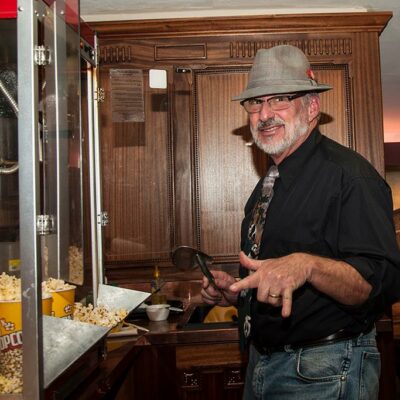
{"x":275,"y":296}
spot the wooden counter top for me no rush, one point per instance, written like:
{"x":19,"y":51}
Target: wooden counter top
{"x":171,"y":332}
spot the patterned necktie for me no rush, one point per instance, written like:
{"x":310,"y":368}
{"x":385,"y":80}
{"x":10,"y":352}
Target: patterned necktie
{"x":256,"y":228}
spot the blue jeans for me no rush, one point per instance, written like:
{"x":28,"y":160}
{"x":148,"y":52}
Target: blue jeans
{"x":344,"y":370}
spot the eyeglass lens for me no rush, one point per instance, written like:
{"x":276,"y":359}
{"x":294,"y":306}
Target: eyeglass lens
{"x":275,"y":103}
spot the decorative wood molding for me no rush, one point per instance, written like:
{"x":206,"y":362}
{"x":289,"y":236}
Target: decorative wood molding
{"x":115,"y":54}
{"x":180,"y":52}
{"x":313,"y":47}
{"x":332,"y":22}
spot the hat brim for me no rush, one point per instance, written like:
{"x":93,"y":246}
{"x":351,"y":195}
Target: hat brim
{"x":280,"y":89}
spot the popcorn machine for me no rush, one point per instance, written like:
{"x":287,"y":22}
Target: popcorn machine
{"x":49,"y":190}
{"x":9,"y":230}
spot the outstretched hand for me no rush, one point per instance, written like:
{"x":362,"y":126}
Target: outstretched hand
{"x":275,"y":279}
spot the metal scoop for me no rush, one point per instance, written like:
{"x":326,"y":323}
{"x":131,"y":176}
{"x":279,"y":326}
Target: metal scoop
{"x":187,"y":258}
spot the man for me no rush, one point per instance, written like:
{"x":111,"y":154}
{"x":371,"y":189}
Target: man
{"x":319,"y":259}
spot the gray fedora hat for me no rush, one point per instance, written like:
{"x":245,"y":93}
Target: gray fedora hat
{"x":280,"y":69}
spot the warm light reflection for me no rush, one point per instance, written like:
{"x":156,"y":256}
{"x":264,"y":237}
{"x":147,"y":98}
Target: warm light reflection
{"x":391,"y":125}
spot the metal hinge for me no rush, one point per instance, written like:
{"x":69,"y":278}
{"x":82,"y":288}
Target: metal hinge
{"x":100,"y":95}
{"x":45,"y":224}
{"x":103,"y":218}
{"x":42,"y":55}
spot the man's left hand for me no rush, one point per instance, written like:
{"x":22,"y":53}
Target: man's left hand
{"x":275,"y":279}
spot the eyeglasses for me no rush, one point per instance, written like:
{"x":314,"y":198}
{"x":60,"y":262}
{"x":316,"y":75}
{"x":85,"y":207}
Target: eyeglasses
{"x":276,"y":103}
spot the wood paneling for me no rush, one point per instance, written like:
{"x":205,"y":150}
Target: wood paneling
{"x":368,"y":112}
{"x":207,"y":355}
{"x":137,"y":179}
{"x":182,"y":121}
{"x":227,"y":169}
{"x":336,"y":118}
{"x":183,"y":176}
{"x":180,"y":52}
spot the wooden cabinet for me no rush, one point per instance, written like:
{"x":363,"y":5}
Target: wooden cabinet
{"x":186,"y":372}
{"x":177,"y":162}
{"x":210,"y":372}
{"x":137,"y":180}
{"x":184,"y":365}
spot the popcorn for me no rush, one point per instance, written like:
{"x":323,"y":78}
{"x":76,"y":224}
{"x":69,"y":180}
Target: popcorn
{"x":54,"y":285}
{"x":11,"y":371}
{"x":11,"y":361}
{"x":10,"y":385}
{"x":75,"y":265}
{"x":99,"y":315}
{"x":75,"y":259}
{"x":10,"y":288}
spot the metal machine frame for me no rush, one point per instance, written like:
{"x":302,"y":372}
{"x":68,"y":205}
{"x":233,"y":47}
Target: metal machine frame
{"x":33,"y":56}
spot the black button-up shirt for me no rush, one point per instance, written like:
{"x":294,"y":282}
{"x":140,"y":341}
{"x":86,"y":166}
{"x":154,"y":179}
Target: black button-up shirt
{"x":328,"y":201}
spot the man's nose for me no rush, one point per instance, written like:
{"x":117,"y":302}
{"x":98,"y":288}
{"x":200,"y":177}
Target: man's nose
{"x":266,"y":111}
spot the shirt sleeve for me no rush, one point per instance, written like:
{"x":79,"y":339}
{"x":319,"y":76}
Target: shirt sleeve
{"x":367,"y":238}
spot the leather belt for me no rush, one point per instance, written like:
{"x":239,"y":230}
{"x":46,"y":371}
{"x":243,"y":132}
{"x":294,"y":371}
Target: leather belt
{"x":334,"y":337}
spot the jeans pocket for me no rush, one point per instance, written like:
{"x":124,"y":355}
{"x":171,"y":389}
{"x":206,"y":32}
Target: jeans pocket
{"x":370,"y":372}
{"x":323,"y":363}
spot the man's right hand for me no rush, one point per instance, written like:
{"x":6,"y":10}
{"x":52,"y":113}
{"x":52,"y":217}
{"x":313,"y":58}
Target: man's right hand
{"x":224,"y":297}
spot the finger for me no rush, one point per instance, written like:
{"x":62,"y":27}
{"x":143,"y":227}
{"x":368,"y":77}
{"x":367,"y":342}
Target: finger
{"x":211,"y":302}
{"x":210,"y":297}
{"x":274,"y":297}
{"x":267,"y":295}
{"x":212,"y":289}
{"x":249,"y":282}
{"x":205,"y":283}
{"x":275,"y":302}
{"x":248,"y":262}
{"x":210,"y":285}
{"x":222,"y":284}
{"x":287,"y":299}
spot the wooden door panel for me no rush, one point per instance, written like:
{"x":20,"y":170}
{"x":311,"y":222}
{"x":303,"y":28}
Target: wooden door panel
{"x":136,"y":179}
{"x":336,"y":105}
{"x":227,"y":168}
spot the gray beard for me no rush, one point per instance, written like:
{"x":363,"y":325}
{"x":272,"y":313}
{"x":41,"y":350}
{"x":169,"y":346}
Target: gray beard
{"x":299,"y":128}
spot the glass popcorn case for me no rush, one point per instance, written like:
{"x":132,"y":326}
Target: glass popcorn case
{"x":9,"y":215}
{"x":48,"y":143}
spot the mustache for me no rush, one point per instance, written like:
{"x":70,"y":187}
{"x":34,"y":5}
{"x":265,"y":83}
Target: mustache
{"x":269,"y":123}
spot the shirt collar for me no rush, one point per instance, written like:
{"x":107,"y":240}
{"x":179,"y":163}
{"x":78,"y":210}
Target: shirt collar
{"x":291,"y":166}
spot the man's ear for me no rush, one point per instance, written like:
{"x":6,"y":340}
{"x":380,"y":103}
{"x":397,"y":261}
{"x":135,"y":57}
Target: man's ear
{"x":313,"y":108}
